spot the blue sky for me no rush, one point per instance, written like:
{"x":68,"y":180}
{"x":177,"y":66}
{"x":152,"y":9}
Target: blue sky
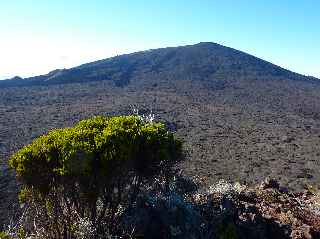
{"x":37,"y":36}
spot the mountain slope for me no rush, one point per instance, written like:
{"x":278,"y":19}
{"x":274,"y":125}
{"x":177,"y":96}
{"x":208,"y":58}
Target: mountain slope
{"x":242,"y":118}
{"x":200,"y":61}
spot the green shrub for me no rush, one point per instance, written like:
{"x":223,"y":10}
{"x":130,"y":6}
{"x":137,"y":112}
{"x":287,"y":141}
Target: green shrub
{"x":102,"y":160}
{"x":4,"y":235}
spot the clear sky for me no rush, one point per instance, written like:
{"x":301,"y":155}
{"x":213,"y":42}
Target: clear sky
{"x":37,"y":36}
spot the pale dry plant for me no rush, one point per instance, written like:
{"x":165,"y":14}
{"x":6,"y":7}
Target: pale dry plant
{"x":226,"y":189}
{"x":147,"y":118}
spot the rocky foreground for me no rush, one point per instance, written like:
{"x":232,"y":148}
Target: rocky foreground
{"x":269,"y":211}
{"x":231,"y":211}
{"x":225,"y":210}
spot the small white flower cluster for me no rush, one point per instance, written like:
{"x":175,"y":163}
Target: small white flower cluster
{"x":120,"y":210}
{"x":315,"y":208}
{"x":85,"y":229}
{"x":148,"y":118}
{"x":197,"y":197}
{"x":224,"y":188}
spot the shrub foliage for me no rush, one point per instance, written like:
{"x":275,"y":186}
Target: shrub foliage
{"x":92,"y":169}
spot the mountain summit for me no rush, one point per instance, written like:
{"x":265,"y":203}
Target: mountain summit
{"x":204,"y":61}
